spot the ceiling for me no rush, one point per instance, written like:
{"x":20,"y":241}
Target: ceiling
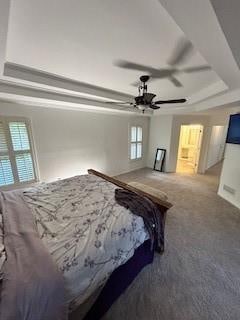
{"x":65,"y":52}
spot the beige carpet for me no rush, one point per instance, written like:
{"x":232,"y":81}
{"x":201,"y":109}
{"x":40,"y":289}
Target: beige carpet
{"x":198,"y":277}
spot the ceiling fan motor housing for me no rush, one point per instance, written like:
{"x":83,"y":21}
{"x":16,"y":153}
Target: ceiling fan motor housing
{"x":148,"y":97}
{"x":145,"y":99}
{"x":139,"y":100}
{"x":144,"y":78}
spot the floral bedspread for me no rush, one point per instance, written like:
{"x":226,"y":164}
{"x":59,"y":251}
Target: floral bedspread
{"x":87,"y":233}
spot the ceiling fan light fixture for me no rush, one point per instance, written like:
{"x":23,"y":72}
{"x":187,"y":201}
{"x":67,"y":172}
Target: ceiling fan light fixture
{"x":141,"y":107}
{"x":144,"y":100}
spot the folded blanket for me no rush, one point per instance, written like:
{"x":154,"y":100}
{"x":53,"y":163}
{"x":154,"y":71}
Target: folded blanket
{"x":150,"y":212}
{"x":32,"y":287}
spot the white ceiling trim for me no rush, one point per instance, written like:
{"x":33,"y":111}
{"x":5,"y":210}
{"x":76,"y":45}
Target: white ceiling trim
{"x":220,"y":100}
{"x":37,"y":102}
{"x":30,"y":75}
{"x":4,"y":17}
{"x":26,"y":93}
{"x":36,"y":76}
{"x":200,"y":24}
{"x":226,"y":99}
{"x":208,"y":92}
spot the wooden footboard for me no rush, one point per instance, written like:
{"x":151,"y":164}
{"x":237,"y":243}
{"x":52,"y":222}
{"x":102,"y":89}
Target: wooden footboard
{"x":164,"y":205}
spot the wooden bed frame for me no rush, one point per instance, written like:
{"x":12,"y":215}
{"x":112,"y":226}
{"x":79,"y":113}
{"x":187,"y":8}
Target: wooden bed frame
{"x":165,"y":205}
{"x":162,"y":204}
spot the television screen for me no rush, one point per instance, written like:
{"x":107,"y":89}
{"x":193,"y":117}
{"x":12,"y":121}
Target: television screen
{"x":233,"y":135}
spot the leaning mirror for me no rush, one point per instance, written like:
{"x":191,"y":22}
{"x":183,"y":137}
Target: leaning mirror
{"x":159,"y":159}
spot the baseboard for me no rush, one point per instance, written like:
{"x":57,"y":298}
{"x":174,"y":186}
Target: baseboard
{"x":236,"y":205}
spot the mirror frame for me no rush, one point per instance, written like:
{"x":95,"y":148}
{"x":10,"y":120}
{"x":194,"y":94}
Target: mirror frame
{"x":163,"y":159}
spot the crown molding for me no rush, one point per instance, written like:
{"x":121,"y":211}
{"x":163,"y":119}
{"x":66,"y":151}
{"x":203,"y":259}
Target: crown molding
{"x":4,"y":17}
{"x":20,"y":92}
{"x":32,"y":75}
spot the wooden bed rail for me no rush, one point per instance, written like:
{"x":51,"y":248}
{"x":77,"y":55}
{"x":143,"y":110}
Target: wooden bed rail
{"x":165,"y":205}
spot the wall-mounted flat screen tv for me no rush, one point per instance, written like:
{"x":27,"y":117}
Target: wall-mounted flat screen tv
{"x":233,"y":135}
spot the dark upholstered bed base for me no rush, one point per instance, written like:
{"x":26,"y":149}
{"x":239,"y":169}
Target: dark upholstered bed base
{"x":119,"y":280}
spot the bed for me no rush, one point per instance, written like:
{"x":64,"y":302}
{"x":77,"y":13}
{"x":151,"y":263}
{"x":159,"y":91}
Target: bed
{"x":97,"y":245}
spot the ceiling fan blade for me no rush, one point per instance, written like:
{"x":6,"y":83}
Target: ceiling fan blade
{"x":133,"y":66}
{"x":119,"y":103}
{"x":122,"y":105}
{"x":182,"y":51}
{"x":170,"y":101}
{"x":196,"y":69}
{"x":176,"y":82}
{"x":126,"y":107}
{"x":154,"y":107}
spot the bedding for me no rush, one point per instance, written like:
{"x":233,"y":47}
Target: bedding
{"x":32,"y":287}
{"x":87,"y":233}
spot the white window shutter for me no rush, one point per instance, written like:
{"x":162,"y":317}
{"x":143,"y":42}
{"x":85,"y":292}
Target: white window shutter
{"x":25,"y":167}
{"x":6,"y":174}
{"x":3,"y":141}
{"x":16,"y":154}
{"x":19,"y":135}
{"x":139,"y":134}
{"x":136,"y":146}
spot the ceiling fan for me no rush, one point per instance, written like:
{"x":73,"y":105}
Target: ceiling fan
{"x":144,"y":100}
{"x":183,"y":50}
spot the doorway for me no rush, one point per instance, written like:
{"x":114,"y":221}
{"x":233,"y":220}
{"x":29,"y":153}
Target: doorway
{"x":189,"y":148}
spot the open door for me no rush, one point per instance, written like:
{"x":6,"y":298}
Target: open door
{"x":189,"y":148}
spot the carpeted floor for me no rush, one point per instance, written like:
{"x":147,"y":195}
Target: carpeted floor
{"x":198,"y":277}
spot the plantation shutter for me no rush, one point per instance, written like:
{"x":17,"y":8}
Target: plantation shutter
{"x":23,"y":158}
{"x":6,"y":174}
{"x":136,"y":143}
{"x":16,"y":156}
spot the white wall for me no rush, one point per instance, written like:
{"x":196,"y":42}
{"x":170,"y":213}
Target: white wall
{"x":175,"y":135}
{"x":217,"y":136}
{"x":69,"y":142}
{"x":216,"y":145}
{"x":231,"y":174}
{"x":159,"y":137}
{"x":165,"y":133}
{"x":218,"y":118}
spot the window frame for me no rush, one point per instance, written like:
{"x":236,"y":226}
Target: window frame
{"x":135,"y":142}
{"x":11,"y":153}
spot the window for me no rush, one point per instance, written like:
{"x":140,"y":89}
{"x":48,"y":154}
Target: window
{"x":136,"y":143}
{"x":16,"y":153}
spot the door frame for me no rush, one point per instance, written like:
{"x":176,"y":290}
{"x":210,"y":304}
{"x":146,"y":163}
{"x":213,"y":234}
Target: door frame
{"x":199,"y":147}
